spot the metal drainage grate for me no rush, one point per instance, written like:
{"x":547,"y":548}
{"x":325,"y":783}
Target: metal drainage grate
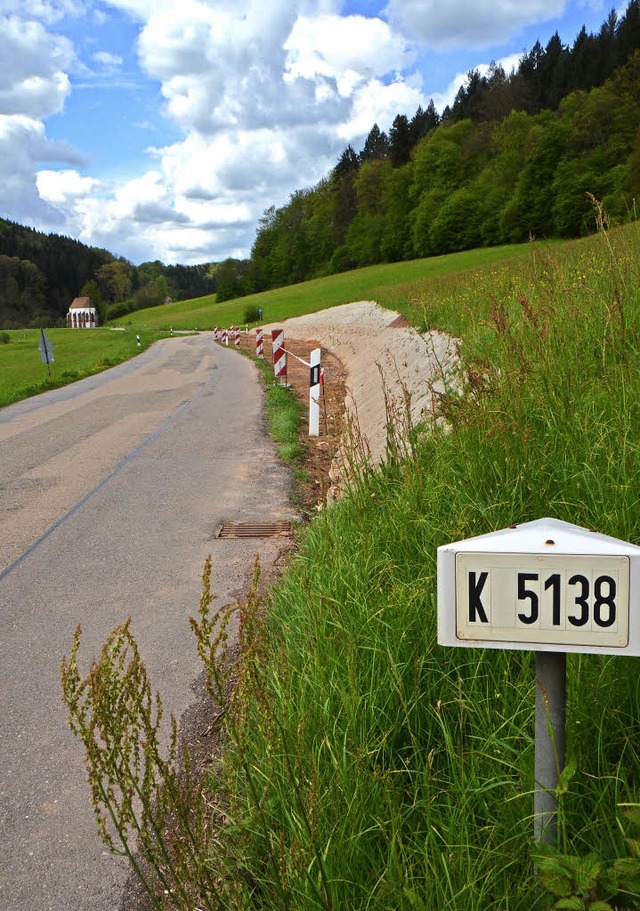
{"x":253,"y":529}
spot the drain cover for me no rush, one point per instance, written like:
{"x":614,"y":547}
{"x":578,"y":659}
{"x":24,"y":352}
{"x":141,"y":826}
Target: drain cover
{"x":253,"y":529}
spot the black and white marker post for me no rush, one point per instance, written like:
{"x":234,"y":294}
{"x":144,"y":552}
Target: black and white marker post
{"x":314,"y":392}
{"x":553,"y":588}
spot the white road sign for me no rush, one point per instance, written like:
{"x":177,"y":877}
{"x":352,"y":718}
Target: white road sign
{"x":538,"y":598}
{"x":544,"y":585}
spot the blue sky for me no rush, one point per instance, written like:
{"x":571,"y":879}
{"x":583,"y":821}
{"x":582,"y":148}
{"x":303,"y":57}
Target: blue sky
{"x":162,"y":130}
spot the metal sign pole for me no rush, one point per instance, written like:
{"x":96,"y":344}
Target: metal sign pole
{"x":551,"y":677}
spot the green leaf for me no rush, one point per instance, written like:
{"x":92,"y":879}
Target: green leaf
{"x":574,"y":903}
{"x":556,"y":882}
{"x":566,"y":777}
{"x":634,"y":846}
{"x":587,"y":872}
{"x":600,"y":906}
{"x":630,"y":866}
{"x":632,"y":814}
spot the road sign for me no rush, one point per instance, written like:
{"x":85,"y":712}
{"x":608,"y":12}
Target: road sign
{"x":45,"y":348}
{"x":545,"y":585}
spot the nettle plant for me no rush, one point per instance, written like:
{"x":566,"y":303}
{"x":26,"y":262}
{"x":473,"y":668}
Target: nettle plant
{"x":589,"y":883}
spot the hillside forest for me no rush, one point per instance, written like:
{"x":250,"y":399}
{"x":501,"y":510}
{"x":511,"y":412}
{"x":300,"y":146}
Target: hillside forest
{"x":40,"y":274}
{"x":515,"y":156}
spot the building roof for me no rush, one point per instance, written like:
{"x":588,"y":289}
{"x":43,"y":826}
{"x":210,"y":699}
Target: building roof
{"x":82,"y":303}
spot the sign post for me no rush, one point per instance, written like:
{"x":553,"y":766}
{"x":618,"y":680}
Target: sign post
{"x":553,"y":588}
{"x":46,"y":351}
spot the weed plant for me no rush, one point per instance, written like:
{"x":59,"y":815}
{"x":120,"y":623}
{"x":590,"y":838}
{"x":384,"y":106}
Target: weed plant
{"x":375,"y":769}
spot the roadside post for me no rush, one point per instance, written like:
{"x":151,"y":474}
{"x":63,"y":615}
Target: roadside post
{"x":553,"y":588}
{"x":259,"y":344}
{"x":314,"y":392}
{"x":237,"y":336}
{"x":46,"y":350}
{"x":279,"y":356}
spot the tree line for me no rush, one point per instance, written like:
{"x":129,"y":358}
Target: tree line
{"x":40,"y":274}
{"x":514,"y":155}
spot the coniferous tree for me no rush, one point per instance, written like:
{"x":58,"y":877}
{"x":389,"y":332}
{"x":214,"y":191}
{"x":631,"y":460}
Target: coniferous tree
{"x":400,"y":141}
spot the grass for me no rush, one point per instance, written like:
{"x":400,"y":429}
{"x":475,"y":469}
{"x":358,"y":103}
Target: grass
{"x":371,"y":768}
{"x":76,"y":354}
{"x":81,"y":354}
{"x":370,"y":283}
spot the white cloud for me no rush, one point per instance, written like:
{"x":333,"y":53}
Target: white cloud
{"x":266,"y":94}
{"x":23,"y":147}
{"x":58,"y":187}
{"x":333,"y":46}
{"x":33,"y":81}
{"x":48,"y":11}
{"x":108,"y":61}
{"x":469,"y":23}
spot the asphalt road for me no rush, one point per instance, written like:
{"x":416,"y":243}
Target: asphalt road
{"x":110,"y":494}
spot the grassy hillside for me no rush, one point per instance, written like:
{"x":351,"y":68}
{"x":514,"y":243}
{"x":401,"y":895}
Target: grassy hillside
{"x":370,"y":767}
{"x":371,"y":283}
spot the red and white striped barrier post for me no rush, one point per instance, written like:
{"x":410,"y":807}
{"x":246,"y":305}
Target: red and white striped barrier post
{"x":259,"y":344}
{"x":314,"y":392}
{"x":215,"y":333}
{"x":237,"y":339}
{"x":225,"y":340}
{"x":279,"y":356}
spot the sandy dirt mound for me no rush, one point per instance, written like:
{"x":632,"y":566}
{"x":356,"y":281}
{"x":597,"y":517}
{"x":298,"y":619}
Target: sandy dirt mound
{"x":382,"y":357}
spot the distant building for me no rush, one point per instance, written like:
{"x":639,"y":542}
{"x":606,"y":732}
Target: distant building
{"x":82,"y":314}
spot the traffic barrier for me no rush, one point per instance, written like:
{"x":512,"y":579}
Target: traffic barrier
{"x":225,"y":337}
{"x":215,"y":333}
{"x":237,"y":334}
{"x":259,"y":344}
{"x":279,"y":356}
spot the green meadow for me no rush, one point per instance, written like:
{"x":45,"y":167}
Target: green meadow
{"x":76,"y":354}
{"x":367,"y":767}
{"x":79,"y":354}
{"x":370,"y":283}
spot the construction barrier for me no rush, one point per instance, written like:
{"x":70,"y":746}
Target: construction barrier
{"x":237,"y":334}
{"x":259,"y":344}
{"x":225,"y":337}
{"x":215,"y":333}
{"x":279,"y":356}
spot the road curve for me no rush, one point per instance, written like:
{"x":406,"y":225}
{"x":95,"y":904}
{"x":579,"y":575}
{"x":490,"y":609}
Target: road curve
{"x":110,"y":492}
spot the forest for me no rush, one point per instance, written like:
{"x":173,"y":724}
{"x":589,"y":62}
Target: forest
{"x":515,"y":156}
{"x":40,"y":274}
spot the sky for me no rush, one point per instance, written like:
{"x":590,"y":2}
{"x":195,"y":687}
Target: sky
{"x":163,"y":129}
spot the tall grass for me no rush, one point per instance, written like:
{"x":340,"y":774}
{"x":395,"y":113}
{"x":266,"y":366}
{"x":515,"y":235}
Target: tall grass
{"x":369,"y":767}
